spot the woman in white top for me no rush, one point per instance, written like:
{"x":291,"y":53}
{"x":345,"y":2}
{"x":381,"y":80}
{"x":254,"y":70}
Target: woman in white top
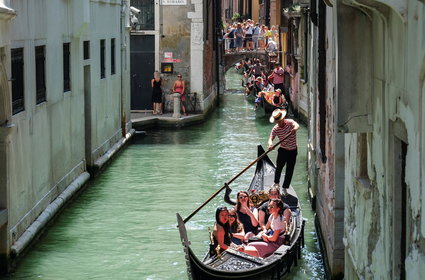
{"x":272,"y":238}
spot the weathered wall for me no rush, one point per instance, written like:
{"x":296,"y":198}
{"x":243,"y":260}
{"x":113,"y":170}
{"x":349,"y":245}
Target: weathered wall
{"x":46,"y":149}
{"x":373,"y":233}
{"x":185,"y":34}
{"x":6,"y":15}
{"x":326,"y":144}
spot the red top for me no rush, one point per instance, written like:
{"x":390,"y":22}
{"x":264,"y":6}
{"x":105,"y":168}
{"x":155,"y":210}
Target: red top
{"x":179,"y":87}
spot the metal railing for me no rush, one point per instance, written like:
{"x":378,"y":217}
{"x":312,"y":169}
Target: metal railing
{"x":260,"y":43}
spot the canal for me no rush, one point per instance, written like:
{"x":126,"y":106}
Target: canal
{"x":123,"y":226}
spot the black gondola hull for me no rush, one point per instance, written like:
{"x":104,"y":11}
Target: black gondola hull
{"x":232,"y":264}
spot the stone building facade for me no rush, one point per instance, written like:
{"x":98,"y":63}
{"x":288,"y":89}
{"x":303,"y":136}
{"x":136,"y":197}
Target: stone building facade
{"x":366,"y":87}
{"x":185,"y":40}
{"x":64,"y":106}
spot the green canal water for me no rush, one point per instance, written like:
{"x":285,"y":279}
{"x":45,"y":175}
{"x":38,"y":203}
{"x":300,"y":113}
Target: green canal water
{"x":123,"y":226}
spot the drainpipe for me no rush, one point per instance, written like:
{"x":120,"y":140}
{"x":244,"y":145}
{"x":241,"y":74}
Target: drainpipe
{"x":124,"y":22}
{"x":217,"y":35}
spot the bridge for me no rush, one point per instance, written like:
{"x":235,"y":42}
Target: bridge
{"x":230,"y":58}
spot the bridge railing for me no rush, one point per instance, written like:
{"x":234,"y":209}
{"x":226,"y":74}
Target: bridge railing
{"x":258,"y":44}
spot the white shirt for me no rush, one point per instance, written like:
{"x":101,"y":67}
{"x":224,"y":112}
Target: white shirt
{"x":278,"y":223}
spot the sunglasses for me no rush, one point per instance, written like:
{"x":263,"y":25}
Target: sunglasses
{"x":274,"y":193}
{"x":271,"y":206}
{"x":179,"y":76}
{"x":242,"y":196}
{"x":232,"y":216}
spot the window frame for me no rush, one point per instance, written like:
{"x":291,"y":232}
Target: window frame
{"x":40,"y":73}
{"x":66,"y":67}
{"x":113,"y":56}
{"x":102,"y":59}
{"x":18,"y":80}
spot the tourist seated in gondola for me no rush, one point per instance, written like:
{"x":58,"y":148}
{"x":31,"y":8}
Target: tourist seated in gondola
{"x":273,"y":238}
{"x":278,"y":99}
{"x":247,"y":65}
{"x":247,"y":214}
{"x":236,"y":228}
{"x":258,"y":99}
{"x":256,"y":68}
{"x":263,"y":210}
{"x":248,"y":87}
{"x":221,"y":233}
{"x":259,"y":84}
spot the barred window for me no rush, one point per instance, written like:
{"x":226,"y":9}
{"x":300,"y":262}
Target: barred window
{"x":146,"y":19}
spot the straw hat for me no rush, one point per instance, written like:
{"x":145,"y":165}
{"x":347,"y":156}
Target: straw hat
{"x":277,"y":115}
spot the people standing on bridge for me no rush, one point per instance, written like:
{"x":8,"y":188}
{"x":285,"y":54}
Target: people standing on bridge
{"x":248,"y":35}
{"x":157,"y":83}
{"x":239,"y":37}
{"x":286,"y":131}
{"x":256,"y":35}
{"x":274,"y":33}
{"x":179,"y":87}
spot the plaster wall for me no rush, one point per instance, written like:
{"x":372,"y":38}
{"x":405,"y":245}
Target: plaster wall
{"x":47,"y":150}
{"x":176,"y":31}
{"x":185,"y":34}
{"x":397,"y":89}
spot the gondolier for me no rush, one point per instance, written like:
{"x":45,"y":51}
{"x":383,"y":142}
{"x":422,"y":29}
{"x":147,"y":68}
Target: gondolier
{"x":235,"y":263}
{"x":287,"y":152}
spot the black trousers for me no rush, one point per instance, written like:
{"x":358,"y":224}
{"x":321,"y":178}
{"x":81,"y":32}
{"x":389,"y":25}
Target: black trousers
{"x":289,"y":158}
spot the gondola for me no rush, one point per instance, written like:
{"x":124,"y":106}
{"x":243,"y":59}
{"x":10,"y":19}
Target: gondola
{"x":250,"y":97}
{"x":265,"y":107}
{"x":232,"y":264}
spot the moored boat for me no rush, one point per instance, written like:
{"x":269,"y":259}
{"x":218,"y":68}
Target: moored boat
{"x":232,"y":264}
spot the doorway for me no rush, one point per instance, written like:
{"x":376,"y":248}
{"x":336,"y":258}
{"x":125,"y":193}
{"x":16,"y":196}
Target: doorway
{"x":400,"y":206}
{"x":142,"y":61}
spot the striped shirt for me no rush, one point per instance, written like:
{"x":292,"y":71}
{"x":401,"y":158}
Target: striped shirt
{"x":289,"y":143}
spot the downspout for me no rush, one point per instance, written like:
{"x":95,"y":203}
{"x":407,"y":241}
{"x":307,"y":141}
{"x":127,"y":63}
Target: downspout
{"x":123,"y":46}
{"x":217,"y":33}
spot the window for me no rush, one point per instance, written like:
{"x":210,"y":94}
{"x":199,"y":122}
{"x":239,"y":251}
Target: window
{"x":18,"y":104}
{"x":86,"y":49}
{"x":102,"y":59}
{"x":113,"y":56}
{"x":66,"y":68}
{"x":362,"y":155}
{"x":146,"y":19}
{"x":40,"y":74}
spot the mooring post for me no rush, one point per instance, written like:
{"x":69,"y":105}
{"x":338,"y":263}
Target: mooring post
{"x":176,"y":112}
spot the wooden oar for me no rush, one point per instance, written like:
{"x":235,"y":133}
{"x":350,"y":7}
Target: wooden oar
{"x":234,"y":178}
